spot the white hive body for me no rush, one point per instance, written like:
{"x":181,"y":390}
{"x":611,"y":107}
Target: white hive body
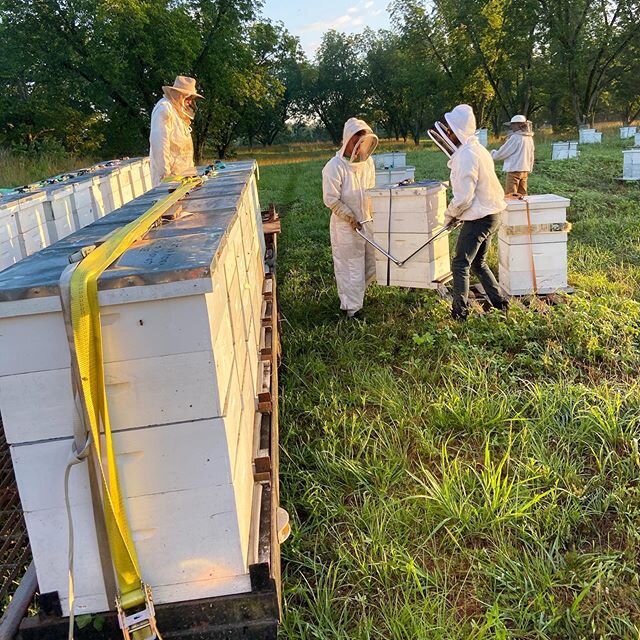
{"x":50,"y":211}
{"x":590,"y":136}
{"x":533,"y":248}
{"x":60,"y":211}
{"x":631,"y":164}
{"x":404,"y":219}
{"x":636,"y":140}
{"x":23,"y":226}
{"x":483,"y":137}
{"x":627,"y":132}
{"x":181,"y":322}
{"x":394,"y":175}
{"x":564,"y":150}
{"x":390,"y":160}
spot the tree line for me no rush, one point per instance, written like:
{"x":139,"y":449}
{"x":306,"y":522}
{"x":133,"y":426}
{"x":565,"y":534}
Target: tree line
{"x":84,"y":75}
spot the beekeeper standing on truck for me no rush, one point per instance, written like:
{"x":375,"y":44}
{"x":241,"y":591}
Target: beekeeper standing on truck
{"x":171,"y":152}
{"x":518,"y":153}
{"x":345,"y":180}
{"x":478,"y":200}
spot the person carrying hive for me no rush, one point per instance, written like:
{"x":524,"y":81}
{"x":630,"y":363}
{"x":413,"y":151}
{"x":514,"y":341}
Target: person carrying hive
{"x":345,"y":180}
{"x":518,"y":153}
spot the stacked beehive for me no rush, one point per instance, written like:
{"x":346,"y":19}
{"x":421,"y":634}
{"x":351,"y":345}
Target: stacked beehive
{"x":181,"y":317}
{"x":627,"y":132}
{"x":590,"y":136}
{"x":68,"y":205}
{"x":404,"y":219}
{"x":23,"y":226}
{"x":564,"y":150}
{"x":392,"y":168}
{"x":631,"y":164}
{"x":532,"y":245}
{"x":636,"y":140}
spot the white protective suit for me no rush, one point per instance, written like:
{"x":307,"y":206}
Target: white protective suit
{"x":477,"y":192}
{"x":344,"y":185}
{"x":171,"y":146}
{"x":518,"y":152}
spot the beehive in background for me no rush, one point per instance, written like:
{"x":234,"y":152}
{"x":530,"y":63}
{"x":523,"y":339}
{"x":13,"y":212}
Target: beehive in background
{"x":404,"y":218}
{"x":590,"y":136}
{"x":483,"y":137}
{"x":631,"y":164}
{"x":532,"y":247}
{"x":636,"y":140}
{"x":390,"y":160}
{"x":627,"y":132}
{"x":180,"y":316}
{"x":394,"y":175}
{"x":564,"y":150}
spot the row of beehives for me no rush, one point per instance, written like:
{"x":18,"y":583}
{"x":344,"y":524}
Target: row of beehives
{"x":532,"y":244}
{"x":36,"y":217}
{"x":181,"y":316}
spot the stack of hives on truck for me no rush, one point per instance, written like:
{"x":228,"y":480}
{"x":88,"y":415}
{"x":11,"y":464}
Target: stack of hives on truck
{"x":183,"y":317}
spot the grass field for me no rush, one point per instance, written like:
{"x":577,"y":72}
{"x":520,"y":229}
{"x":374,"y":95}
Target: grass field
{"x":463,"y":481}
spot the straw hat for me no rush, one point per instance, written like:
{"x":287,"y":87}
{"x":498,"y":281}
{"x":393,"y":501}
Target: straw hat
{"x":183,"y":85}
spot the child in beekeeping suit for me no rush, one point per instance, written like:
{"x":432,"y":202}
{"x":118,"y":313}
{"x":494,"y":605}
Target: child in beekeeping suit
{"x":345,"y":180}
{"x":478,"y":200}
{"x":518,"y":153}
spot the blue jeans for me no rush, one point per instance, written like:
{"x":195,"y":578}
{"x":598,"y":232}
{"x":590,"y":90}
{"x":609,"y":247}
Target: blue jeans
{"x":471,"y":255}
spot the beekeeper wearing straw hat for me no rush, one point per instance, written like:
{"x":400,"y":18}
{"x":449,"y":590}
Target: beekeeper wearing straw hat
{"x":171,"y":146}
{"x":345,"y":180}
{"x":518,"y":153}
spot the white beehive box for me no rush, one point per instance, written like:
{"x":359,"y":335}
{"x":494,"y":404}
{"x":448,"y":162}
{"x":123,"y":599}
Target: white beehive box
{"x":590,"y":136}
{"x":627,"y":132}
{"x":27,"y":211}
{"x":483,"y":137}
{"x":631,"y":164}
{"x":534,"y":259}
{"x":636,"y":140}
{"x":564,"y":150}
{"x":181,"y":358}
{"x":58,"y":207}
{"x":386,"y":177}
{"x":10,"y":248}
{"x":146,"y":173}
{"x":135,"y":170}
{"x":125,"y":181}
{"x":390,"y":160}
{"x":404,"y":218}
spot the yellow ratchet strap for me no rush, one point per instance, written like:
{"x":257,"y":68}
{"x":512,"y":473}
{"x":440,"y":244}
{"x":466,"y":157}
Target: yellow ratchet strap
{"x":134,"y":594}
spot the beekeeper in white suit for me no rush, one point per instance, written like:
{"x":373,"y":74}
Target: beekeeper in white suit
{"x":171,"y":151}
{"x":345,"y":179}
{"x":478,"y":200}
{"x":518,"y":153}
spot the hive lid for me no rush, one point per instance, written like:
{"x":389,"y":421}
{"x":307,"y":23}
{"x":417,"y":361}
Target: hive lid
{"x":411,"y":189}
{"x":13,"y":200}
{"x":180,"y":250}
{"x":539,"y":201}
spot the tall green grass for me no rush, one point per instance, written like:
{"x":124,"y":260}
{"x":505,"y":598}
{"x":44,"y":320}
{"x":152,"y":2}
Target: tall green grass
{"x":17,"y":169}
{"x":463,"y":481}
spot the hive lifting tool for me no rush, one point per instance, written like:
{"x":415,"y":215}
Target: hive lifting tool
{"x":400,"y":263}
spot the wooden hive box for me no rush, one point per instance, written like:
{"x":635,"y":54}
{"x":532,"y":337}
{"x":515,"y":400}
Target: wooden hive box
{"x":181,"y":383}
{"x":404,"y":219}
{"x":483,"y":137}
{"x":590,"y":136}
{"x":394,"y":175}
{"x":59,"y":210}
{"x":11,"y":249}
{"x":28,"y":212}
{"x":534,"y":259}
{"x":390,"y":160}
{"x":631,"y":164}
{"x":627,"y":132}
{"x":636,"y":140}
{"x":564,"y":150}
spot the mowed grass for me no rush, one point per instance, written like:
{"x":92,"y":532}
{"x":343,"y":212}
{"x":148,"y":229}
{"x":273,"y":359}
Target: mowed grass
{"x":463,"y":481}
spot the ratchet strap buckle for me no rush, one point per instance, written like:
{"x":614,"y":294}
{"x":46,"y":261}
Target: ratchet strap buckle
{"x":140,"y":625}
